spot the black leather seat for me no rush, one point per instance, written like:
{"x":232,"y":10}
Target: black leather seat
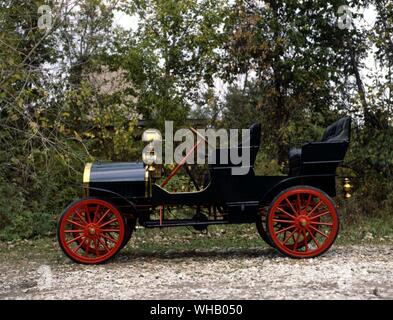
{"x":294,"y":159}
{"x":331,"y":148}
{"x":254,"y":142}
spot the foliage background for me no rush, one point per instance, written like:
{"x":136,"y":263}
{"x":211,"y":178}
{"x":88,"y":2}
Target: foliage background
{"x":74,"y":93}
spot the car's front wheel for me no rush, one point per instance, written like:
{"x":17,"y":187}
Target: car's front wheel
{"x":91,"y":231}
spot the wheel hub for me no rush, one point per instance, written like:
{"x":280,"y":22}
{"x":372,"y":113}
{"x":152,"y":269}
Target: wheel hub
{"x":92,"y":231}
{"x":302,"y":221}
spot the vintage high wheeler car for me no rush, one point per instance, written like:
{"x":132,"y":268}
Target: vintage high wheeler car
{"x":294,"y":214}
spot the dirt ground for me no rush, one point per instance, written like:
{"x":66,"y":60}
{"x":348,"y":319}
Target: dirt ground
{"x":344,"y":272}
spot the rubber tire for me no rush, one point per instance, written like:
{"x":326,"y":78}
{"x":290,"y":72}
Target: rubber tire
{"x":130,"y":227}
{"x":261,"y":227}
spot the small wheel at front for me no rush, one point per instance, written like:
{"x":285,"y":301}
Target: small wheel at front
{"x":91,"y":231}
{"x":302,"y":222}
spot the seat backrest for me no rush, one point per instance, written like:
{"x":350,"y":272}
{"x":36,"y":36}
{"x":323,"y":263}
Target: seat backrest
{"x":255,"y":141}
{"x":255,"y":135}
{"x":338,"y":131}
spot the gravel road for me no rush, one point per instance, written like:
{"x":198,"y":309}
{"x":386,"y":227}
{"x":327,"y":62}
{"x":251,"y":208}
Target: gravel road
{"x":351,"y":272}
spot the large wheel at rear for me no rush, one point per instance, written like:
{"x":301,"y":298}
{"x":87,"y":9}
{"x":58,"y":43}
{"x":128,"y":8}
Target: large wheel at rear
{"x":261,"y":226}
{"x":302,"y":222}
{"x":91,"y":231}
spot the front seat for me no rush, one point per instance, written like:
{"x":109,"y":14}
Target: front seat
{"x":334,"y":142}
{"x":254,"y":141}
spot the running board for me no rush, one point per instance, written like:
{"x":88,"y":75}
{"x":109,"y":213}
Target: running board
{"x":180,"y":223}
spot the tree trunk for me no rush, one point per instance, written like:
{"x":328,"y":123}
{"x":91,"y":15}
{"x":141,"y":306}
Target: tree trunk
{"x":280,"y":114}
{"x":370,"y":120}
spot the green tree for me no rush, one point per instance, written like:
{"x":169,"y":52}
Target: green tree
{"x":293,"y":54}
{"x":177,"y":50}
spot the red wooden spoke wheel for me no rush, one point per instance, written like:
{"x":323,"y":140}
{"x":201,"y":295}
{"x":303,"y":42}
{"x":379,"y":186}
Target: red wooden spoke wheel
{"x":261,"y":227}
{"x":302,"y":222}
{"x":82,"y":218}
{"x":300,"y":243}
{"x":91,"y":231}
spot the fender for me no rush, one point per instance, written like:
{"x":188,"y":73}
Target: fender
{"x":325,"y":182}
{"x":121,"y":201}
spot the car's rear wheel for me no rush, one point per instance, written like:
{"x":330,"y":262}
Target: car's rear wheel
{"x":302,"y":222}
{"x":91,"y":231}
{"x":261,"y":226}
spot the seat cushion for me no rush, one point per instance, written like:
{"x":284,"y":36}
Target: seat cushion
{"x":295,"y":156}
{"x":338,"y":131}
{"x":253,"y":142}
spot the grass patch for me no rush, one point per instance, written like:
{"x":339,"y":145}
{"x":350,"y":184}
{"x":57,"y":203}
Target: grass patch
{"x":366,"y":230}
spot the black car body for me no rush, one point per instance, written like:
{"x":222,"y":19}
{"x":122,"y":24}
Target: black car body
{"x":225,"y":198}
{"x":313,"y":164}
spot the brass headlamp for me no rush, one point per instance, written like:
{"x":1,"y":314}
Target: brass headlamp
{"x":149,"y":157}
{"x":86,"y":178}
{"x":347,"y":187}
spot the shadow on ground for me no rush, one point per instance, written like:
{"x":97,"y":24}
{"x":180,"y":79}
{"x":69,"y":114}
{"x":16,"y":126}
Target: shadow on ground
{"x":217,"y":254}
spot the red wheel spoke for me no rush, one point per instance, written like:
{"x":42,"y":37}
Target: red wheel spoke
{"x":308,"y":201}
{"x":88,"y":214}
{"x":103,"y":216}
{"x":75,"y":223}
{"x":110,"y":230}
{"x":319,"y":215}
{"x":73,"y":231}
{"x":109,"y":238}
{"x":96,"y":247}
{"x":108,"y":222}
{"x":299,"y":205}
{"x":87,"y":249}
{"x":78,"y":247}
{"x":104,"y":244}
{"x":96,"y":213}
{"x":286,"y":213}
{"x":313,"y":238}
{"x":81,"y":218}
{"x":315,"y":208}
{"x":316,"y":230}
{"x":296,"y":240}
{"x":289,"y":237}
{"x":290,"y":205}
{"x":322,"y":223}
{"x":283,"y":221}
{"x":305,"y":240}
{"x":285,"y":230}
{"x":74,"y":239}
